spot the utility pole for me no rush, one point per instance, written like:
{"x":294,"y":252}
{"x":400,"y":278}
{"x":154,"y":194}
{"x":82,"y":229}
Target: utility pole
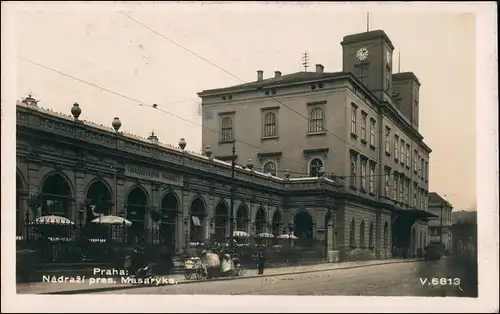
{"x":231,"y":206}
{"x":441,"y":223}
{"x":399,"y":62}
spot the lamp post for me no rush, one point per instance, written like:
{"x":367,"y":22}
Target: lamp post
{"x":290,"y":232}
{"x":27,"y":225}
{"x":231,"y":206}
{"x":186,"y":232}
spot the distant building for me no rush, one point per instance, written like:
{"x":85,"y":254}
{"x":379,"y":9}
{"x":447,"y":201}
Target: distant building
{"x":464,"y":230}
{"x":360,"y":125}
{"x":440,"y":229}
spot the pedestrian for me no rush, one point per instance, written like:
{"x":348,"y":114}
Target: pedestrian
{"x":260,"y":264}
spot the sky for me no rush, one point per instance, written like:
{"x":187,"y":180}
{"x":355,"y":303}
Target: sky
{"x":97,"y":44}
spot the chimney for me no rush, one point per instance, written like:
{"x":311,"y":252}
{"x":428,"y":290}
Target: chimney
{"x":277,"y":74}
{"x":260,"y":75}
{"x":319,"y":68}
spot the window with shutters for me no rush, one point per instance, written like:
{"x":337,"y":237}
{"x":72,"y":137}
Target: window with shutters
{"x":227,"y":129}
{"x":270,"y":127}
{"x":316,"y":121}
{"x":396,"y":147}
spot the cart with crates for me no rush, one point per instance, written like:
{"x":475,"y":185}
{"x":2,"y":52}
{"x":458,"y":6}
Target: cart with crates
{"x":193,"y":268}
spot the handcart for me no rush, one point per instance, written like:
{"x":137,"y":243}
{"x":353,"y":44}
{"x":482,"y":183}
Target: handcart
{"x":193,"y":267}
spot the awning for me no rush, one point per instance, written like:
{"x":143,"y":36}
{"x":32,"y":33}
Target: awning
{"x":196,"y":221}
{"x":419,"y":214}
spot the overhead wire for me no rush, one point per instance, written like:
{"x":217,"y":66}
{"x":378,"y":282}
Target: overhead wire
{"x":229,"y":73}
{"x":138,"y":102}
{"x":237,"y":77}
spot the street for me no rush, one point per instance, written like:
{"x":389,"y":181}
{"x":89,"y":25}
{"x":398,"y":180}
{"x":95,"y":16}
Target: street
{"x":402,"y":279}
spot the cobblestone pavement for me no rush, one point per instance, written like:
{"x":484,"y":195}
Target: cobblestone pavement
{"x":401,"y":279}
{"x":36,"y":288}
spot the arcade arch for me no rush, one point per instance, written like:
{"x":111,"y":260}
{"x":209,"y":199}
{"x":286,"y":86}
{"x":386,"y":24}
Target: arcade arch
{"x":277,"y":223}
{"x":362,"y":234}
{"x":221,"y":221}
{"x":242,"y":218}
{"x":197,"y":213}
{"x":303,"y":222}
{"x":99,"y":197}
{"x":169,"y":215}
{"x":19,"y":190}
{"x":370,"y":236}
{"x":137,"y":201}
{"x":56,"y":196}
{"x":260,"y":221}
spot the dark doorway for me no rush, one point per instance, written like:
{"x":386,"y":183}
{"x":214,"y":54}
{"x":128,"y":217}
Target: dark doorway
{"x":136,"y":213}
{"x":169,"y":213}
{"x":221,"y":221}
{"x":242,"y":218}
{"x":197,"y":220}
{"x":99,"y":197}
{"x":56,"y":196}
{"x":304,"y":228}
{"x":19,"y":218}
{"x":260,"y":221}
{"x":277,"y":223}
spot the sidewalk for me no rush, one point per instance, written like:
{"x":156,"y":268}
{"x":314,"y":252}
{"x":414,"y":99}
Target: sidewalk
{"x":87,"y":287}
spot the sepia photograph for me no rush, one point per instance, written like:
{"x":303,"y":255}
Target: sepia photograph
{"x":264,"y":156}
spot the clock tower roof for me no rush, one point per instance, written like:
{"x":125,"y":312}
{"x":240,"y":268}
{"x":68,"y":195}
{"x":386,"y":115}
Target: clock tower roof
{"x":366,"y":36}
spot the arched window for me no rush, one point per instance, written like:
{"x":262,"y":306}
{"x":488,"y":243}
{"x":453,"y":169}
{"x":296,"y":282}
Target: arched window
{"x":362,"y":234}
{"x":260,"y":221}
{"x":314,"y":166}
{"x":242,"y":218}
{"x":167,"y":228}
{"x":386,"y":235}
{"x":354,"y":169}
{"x":56,"y":194}
{"x":221,"y":221}
{"x":19,"y":219}
{"x":276,"y":224}
{"x":303,"y":224}
{"x":137,"y":202}
{"x":316,"y":120}
{"x":270,"y":125}
{"x":270,"y":167}
{"x":352,"y":233}
{"x":370,"y":235}
{"x":227,"y":129}
{"x":197,"y":212}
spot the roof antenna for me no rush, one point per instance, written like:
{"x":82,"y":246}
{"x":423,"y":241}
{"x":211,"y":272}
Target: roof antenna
{"x":305,"y":60}
{"x":367,"y":21}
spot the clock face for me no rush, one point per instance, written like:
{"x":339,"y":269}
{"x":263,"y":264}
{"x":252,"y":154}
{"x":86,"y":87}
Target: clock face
{"x":388,"y":56}
{"x":362,"y":54}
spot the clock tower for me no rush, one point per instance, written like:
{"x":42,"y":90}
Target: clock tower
{"x":368,"y":56}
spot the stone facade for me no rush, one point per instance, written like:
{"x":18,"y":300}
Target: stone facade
{"x":359,"y":125}
{"x":362,"y":212}
{"x":81,"y":155}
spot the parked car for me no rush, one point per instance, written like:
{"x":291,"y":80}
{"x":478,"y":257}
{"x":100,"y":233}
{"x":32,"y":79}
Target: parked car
{"x":433,"y":252}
